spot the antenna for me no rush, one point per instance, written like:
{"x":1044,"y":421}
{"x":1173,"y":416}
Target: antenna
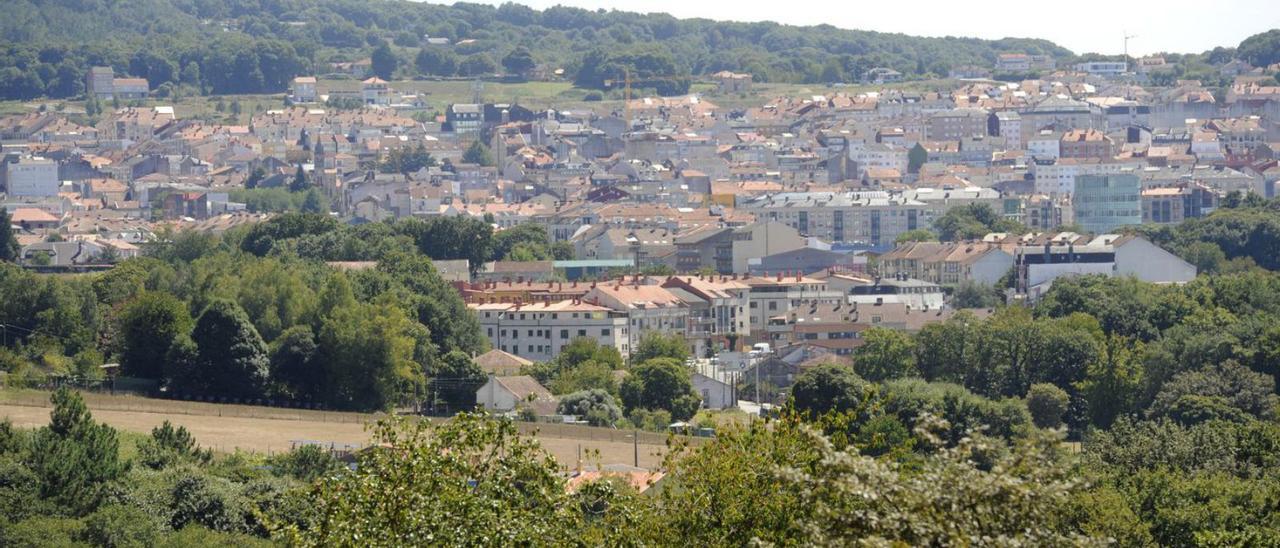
{"x":477,"y":91}
{"x":1127,"y":37}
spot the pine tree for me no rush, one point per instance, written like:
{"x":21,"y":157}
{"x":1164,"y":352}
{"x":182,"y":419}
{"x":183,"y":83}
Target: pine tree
{"x":299,"y":183}
{"x":74,"y":457}
{"x":231,"y":358}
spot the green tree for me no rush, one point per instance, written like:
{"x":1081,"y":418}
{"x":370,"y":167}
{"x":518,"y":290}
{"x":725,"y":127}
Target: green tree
{"x":499,"y":487}
{"x":299,"y":182}
{"x":119,"y":526}
{"x":74,"y":457}
{"x":306,"y":463}
{"x":168,"y":446}
{"x":885,"y":354}
{"x":595,"y":406}
{"x":916,"y":157}
{"x":830,"y":387}
{"x":1047,"y":404}
{"x":478,"y":154}
{"x":8,"y":242}
{"x":148,"y":326}
{"x":295,"y":370}
{"x":370,"y":356}
{"x":659,"y":344}
{"x":231,"y":357}
{"x":436,"y":61}
{"x":384,"y":61}
{"x":519,"y":61}
{"x":972,"y":221}
{"x":455,"y":380}
{"x":661,"y":383}
{"x":916,"y":235}
{"x":971,"y":294}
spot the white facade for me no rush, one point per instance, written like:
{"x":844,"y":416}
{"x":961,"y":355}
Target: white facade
{"x":1060,"y":177}
{"x":537,"y":332}
{"x":1045,"y":146}
{"x":32,"y":177}
{"x":1149,"y":263}
{"x":715,"y":394}
{"x":1104,"y":68}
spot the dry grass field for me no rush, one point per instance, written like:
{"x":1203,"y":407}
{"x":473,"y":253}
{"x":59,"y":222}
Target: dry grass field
{"x":228,"y":428}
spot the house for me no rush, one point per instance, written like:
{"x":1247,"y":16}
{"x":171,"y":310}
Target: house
{"x":303,"y":90}
{"x":539,"y":331}
{"x":507,"y":394}
{"x":32,"y":219}
{"x":715,"y":394}
{"x":947,"y":263}
{"x":376,"y":91}
{"x":731,"y":82}
{"x":501,"y":364}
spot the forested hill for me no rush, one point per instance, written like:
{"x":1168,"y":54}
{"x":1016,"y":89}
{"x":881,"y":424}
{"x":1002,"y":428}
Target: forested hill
{"x":230,"y":46}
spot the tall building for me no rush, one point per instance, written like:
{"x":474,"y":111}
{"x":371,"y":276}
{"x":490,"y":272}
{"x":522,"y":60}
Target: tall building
{"x":101,"y":82}
{"x":1103,"y":202}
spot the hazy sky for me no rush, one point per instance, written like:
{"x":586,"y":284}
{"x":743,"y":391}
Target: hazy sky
{"x":1184,"y":26}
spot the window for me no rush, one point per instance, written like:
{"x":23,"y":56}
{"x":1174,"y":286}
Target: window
{"x":582,"y":332}
{"x":773,"y":305}
{"x":604,"y":332}
{"x":564,"y":333}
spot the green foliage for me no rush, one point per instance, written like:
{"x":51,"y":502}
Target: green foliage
{"x":661,"y":383}
{"x":455,"y":381}
{"x":169,"y":446}
{"x":231,"y":358}
{"x":148,"y":326}
{"x":916,"y":235}
{"x":499,"y":488}
{"x":830,"y":388}
{"x":971,"y":294}
{"x":9,"y":249}
{"x":306,"y":463}
{"x":384,"y":61}
{"x":1047,"y":404}
{"x":885,"y":354}
{"x":74,"y":458}
{"x":659,"y":344}
{"x":1216,"y":392}
{"x":436,"y":61}
{"x":1261,"y":50}
{"x":972,"y":221}
{"x":595,"y":406}
{"x":121,"y":527}
{"x":478,"y":154}
{"x":402,"y":160}
{"x":916,"y":158}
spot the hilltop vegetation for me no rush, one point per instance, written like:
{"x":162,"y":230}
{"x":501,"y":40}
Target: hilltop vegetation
{"x":220,"y":46}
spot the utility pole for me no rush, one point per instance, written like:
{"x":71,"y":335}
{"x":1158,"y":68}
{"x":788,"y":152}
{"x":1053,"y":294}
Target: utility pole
{"x":1127,"y":37}
{"x":635,"y":445}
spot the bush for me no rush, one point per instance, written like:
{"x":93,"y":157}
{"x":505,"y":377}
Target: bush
{"x":42,"y":532}
{"x":596,"y":406}
{"x":593,"y":96}
{"x":121,"y":526}
{"x":307,"y":463}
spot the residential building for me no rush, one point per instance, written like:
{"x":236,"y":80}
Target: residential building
{"x":376,"y":91}
{"x":957,"y":124}
{"x":538,"y":331}
{"x":100,"y":81}
{"x":646,"y":307}
{"x":507,"y":394}
{"x":1050,"y":257}
{"x":761,"y":239}
{"x":1086,"y":143}
{"x":947,"y":263}
{"x":303,"y":90}
{"x":1102,"y":203}
{"x":772,"y":296}
{"x":1103,"y":68}
{"x":31,"y":177}
{"x":732,"y":82}
{"x":1174,"y":204}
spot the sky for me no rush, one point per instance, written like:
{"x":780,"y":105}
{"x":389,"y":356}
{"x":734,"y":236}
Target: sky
{"x":1180,"y":26}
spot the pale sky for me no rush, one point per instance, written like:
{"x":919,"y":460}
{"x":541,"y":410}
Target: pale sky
{"x":1182,"y":26}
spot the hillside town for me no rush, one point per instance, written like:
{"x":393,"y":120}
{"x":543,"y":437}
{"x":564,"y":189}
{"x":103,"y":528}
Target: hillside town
{"x":785,"y":229}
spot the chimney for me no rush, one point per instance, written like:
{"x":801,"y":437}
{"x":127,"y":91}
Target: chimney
{"x":519,"y":279}
{"x":779,"y":275}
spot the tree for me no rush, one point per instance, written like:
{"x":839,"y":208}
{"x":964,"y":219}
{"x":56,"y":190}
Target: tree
{"x":255,"y":177}
{"x":1047,"y":404}
{"x":74,"y":457}
{"x":436,"y":61}
{"x":231,"y":358}
{"x":916,"y":158}
{"x":384,"y":61}
{"x":1228,"y":386}
{"x":299,"y":182}
{"x":915,"y":235}
{"x":372,"y":357}
{"x":122,"y":526}
{"x":307,"y":463}
{"x":595,"y":406}
{"x":499,"y":486}
{"x":661,"y":383}
{"x":456,"y":379}
{"x":479,"y":64}
{"x":659,"y":344}
{"x":519,"y":61}
{"x":315,"y":202}
{"x":9,"y":250}
{"x":972,"y":221}
{"x":830,"y":387}
{"x":148,"y":326}
{"x":971,"y":294}
{"x":169,"y":446}
{"x":478,"y":154}
{"x":886,"y":354}
{"x":295,"y":372}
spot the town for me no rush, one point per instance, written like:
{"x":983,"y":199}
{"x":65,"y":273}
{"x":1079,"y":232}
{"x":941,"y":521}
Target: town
{"x":407,"y":274}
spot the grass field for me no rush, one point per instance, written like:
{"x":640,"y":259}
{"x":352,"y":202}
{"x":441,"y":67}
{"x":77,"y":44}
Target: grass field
{"x":228,"y":428}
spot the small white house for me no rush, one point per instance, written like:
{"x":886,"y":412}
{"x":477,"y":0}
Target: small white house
{"x":715,"y":394}
{"x":505,"y":394}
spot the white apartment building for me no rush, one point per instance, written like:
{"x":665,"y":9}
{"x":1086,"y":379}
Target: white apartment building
{"x":32,"y":176}
{"x":645,"y":307}
{"x":538,"y":331}
{"x":1060,"y":176}
{"x":779,"y":295}
{"x":1103,"y":68}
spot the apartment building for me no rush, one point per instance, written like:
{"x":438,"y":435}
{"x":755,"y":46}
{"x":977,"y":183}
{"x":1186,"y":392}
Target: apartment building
{"x":1086,"y":143}
{"x":957,"y":124}
{"x":538,"y":331}
{"x":947,"y":263}
{"x":772,"y":296}
{"x":1104,"y":202}
{"x":1060,"y":176}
